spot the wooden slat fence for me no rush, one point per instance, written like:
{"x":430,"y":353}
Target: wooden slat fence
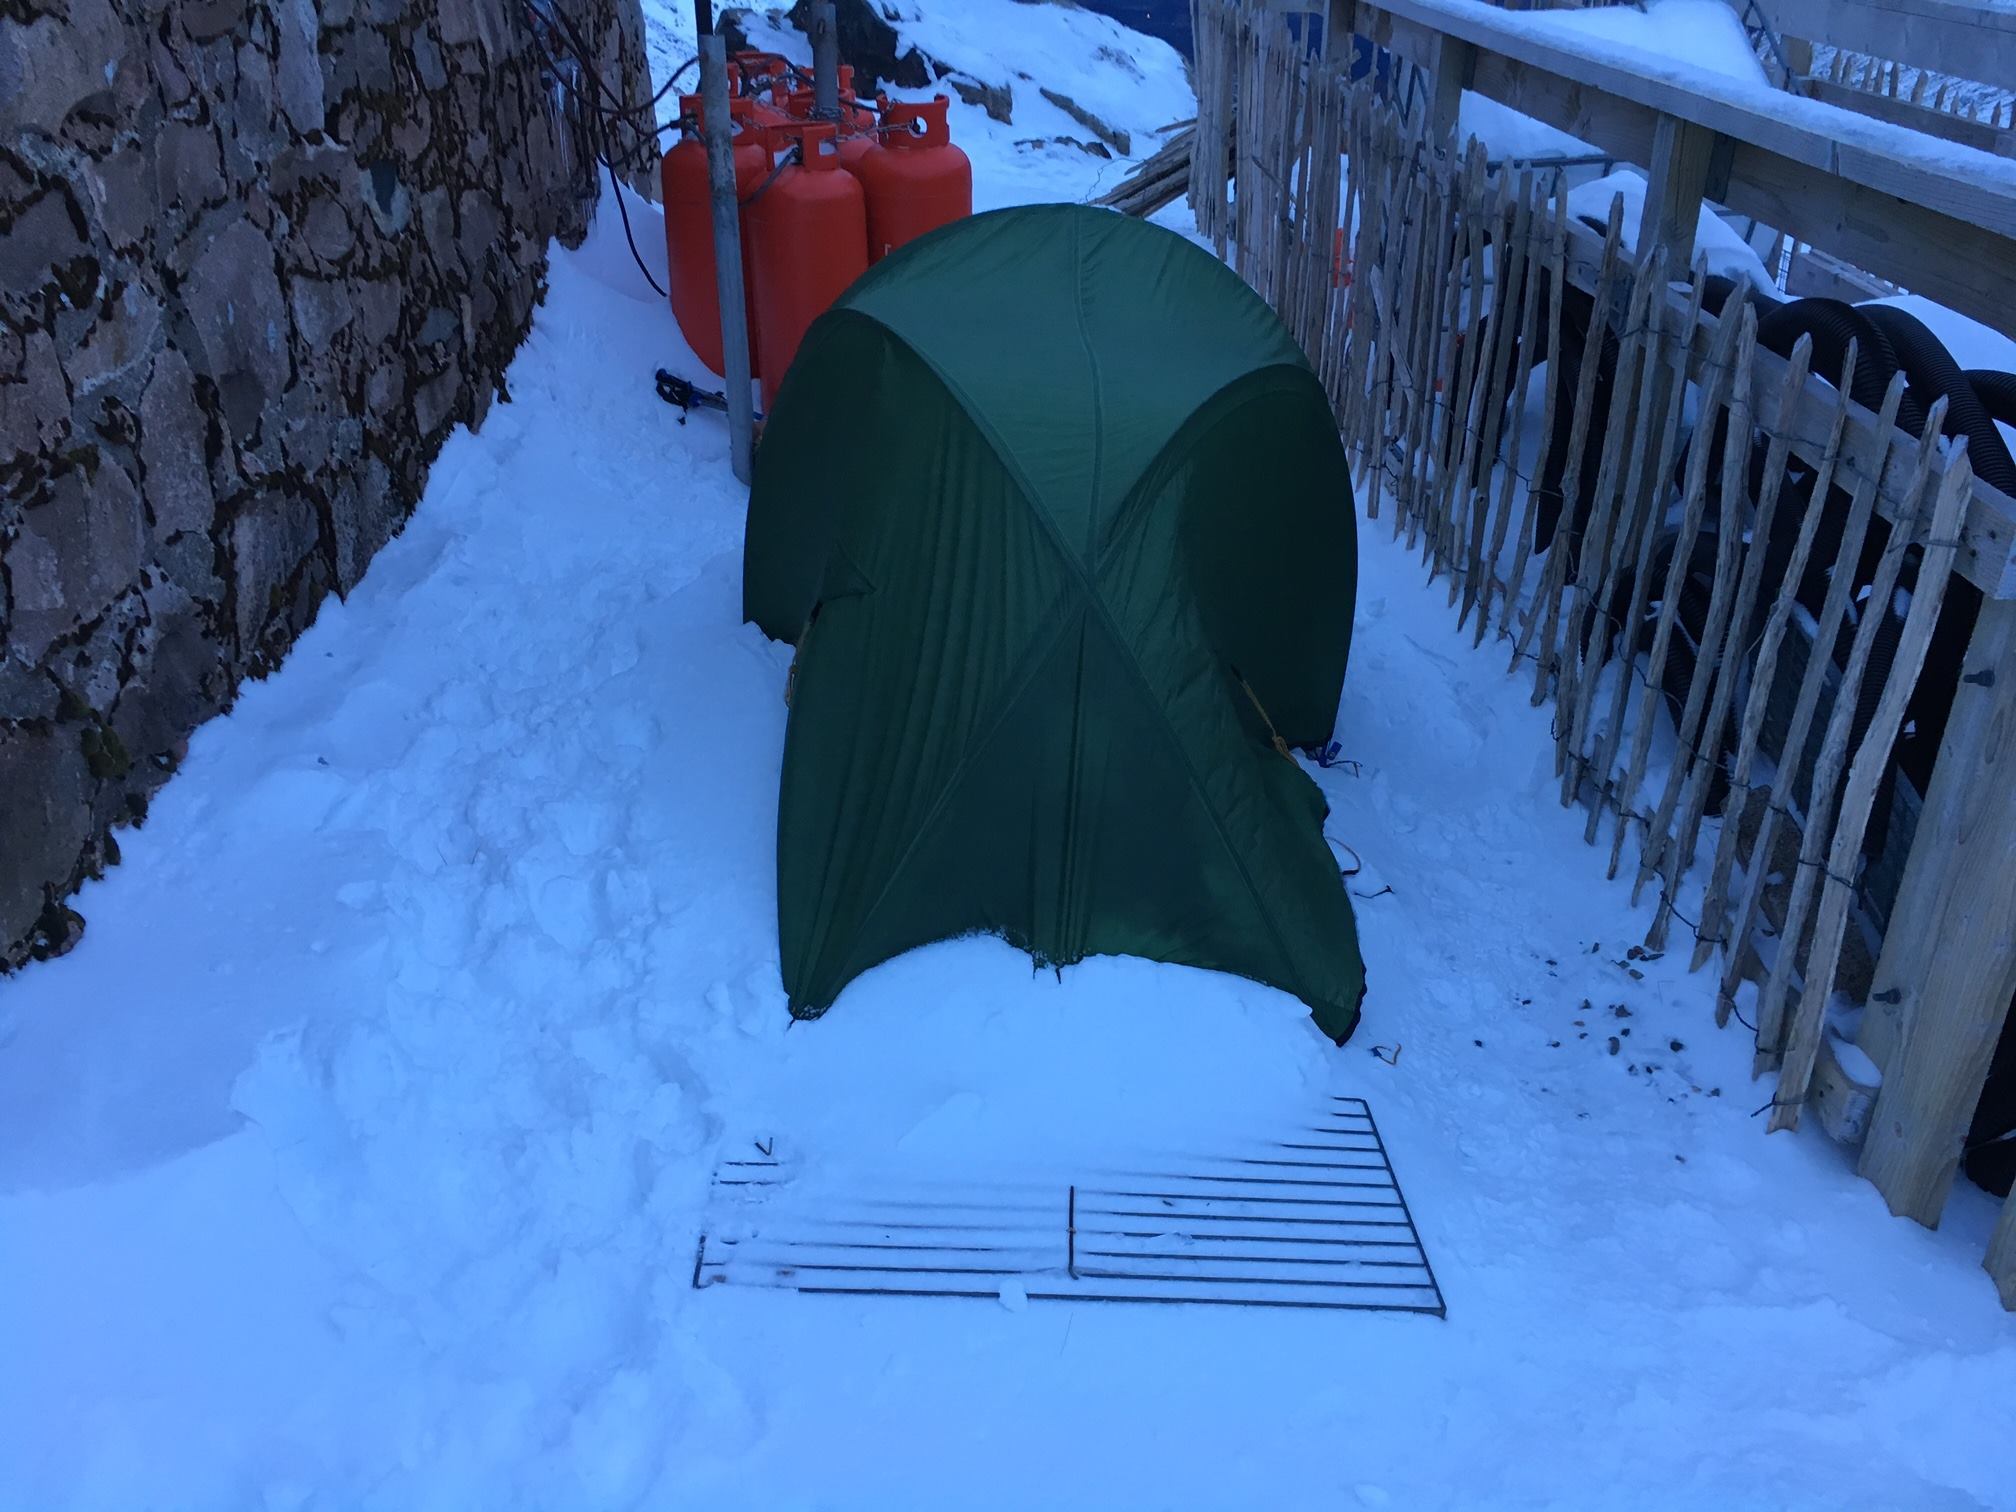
{"x":1592,"y":518}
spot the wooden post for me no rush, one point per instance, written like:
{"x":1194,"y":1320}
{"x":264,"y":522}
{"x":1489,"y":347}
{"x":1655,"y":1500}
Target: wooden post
{"x":1682,"y":155}
{"x":2002,"y":1254}
{"x":1454,"y":65}
{"x":1949,"y":956}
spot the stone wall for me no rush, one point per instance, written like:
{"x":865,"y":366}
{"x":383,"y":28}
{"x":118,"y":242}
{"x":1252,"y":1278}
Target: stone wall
{"x":257,"y":258}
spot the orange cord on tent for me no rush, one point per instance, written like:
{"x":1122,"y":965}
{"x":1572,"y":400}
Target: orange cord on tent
{"x":1273,"y":734}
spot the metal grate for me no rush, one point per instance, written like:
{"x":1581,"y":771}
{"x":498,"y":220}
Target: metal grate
{"x":1314,"y":1219}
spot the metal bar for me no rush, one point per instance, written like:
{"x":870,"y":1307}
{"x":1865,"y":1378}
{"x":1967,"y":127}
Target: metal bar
{"x":727,"y":241}
{"x":1308,"y":1302}
{"x":1291,"y":1181}
{"x":1260,"y":1238}
{"x":1272,"y":1217}
{"x":1410,"y":1218}
{"x":1106,"y":1275}
{"x":1247,"y":1260}
{"x":1256,"y":1201}
{"x":825,"y":62}
{"x":1071,"y":1228}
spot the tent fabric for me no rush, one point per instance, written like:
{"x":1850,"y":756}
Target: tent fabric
{"x":1059,"y":520}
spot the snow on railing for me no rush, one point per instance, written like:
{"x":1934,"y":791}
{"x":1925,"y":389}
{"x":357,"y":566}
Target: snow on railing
{"x":1542,"y":408}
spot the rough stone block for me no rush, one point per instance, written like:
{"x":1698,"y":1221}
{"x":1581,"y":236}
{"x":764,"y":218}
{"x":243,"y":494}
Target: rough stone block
{"x":73,"y":554}
{"x":173,"y":438}
{"x":46,"y":237}
{"x":233,"y":295}
{"x":269,"y":539}
{"x":45,"y":812}
{"x":188,"y":168}
{"x":122,"y":196}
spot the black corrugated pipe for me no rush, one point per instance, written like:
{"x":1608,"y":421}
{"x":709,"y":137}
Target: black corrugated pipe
{"x":1996,"y":391}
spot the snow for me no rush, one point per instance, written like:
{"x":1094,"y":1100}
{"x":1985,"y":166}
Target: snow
{"x":1509,"y":134}
{"x":1705,"y":33}
{"x":357,"y":1156}
{"x":1697,"y":55}
{"x":1130,"y":82}
{"x":1714,"y":238}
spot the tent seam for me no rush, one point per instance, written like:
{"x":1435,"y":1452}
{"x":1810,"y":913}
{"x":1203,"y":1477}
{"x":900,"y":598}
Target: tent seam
{"x":1097,"y":604}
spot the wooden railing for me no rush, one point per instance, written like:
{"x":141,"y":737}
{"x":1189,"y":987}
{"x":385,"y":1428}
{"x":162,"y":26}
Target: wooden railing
{"x":1367,"y":233}
{"x":1941,"y":67}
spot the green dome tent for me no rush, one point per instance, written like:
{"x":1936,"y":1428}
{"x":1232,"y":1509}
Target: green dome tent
{"x":1057,"y":516}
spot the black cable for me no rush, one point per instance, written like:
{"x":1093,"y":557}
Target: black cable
{"x":624,"y":211}
{"x":598,"y":121}
{"x":794,"y":155}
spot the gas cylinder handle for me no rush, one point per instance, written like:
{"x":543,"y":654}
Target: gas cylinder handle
{"x":812,"y":137}
{"x":921,"y":124}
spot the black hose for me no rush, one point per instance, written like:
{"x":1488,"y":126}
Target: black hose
{"x":1996,"y":391}
{"x":1832,"y":325}
{"x":1932,"y":374}
{"x":1717,"y":287}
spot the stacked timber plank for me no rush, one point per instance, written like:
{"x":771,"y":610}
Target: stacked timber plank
{"x":1161,"y":179}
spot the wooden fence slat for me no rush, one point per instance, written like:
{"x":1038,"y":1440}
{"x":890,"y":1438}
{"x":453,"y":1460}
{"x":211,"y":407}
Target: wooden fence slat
{"x":1832,"y":609}
{"x":1716,"y":380}
{"x":1424,"y":514}
{"x":1820,"y":792}
{"x":1537,"y":238}
{"x":1452,"y":479}
{"x":1444,"y":250}
{"x":1678,"y":848}
{"x":1405,"y":330}
{"x":1872,"y":761}
{"x":1519,"y":268}
{"x":1726,"y":371}
{"x":1388,"y":329}
{"x":1716,"y":903}
{"x":1669,"y":612}
{"x":1548,"y":607}
{"x":1615,"y":517}
{"x":1557,"y":246}
{"x":1610,"y":527}
{"x":1485,"y":393}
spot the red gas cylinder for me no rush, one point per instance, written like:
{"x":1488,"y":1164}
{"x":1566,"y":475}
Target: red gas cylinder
{"x":855,"y":118}
{"x":689,"y":226}
{"x":915,"y":179}
{"x":757,"y":75}
{"x":809,"y":230}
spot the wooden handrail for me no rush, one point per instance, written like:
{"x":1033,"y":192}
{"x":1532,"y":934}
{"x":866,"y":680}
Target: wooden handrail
{"x":1969,"y":41}
{"x":1941,"y":222}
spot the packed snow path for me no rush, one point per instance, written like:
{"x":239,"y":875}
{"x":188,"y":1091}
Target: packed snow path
{"x":357,"y":1156}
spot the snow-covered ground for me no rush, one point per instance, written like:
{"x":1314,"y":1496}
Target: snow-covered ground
{"x":357,"y":1156}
